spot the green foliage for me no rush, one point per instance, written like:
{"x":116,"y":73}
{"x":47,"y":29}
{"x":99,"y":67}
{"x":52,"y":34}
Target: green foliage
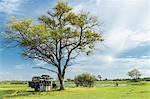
{"x":134,"y":74}
{"x":85,"y":80}
{"x":62,"y":24}
{"x":69,"y":80}
{"x":19,"y":25}
{"x":26,"y":33}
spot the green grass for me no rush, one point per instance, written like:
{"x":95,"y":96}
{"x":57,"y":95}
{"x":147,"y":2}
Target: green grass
{"x":22,"y":91}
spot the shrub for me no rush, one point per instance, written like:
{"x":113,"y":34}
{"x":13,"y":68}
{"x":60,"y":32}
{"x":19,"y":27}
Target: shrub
{"x":85,"y":80}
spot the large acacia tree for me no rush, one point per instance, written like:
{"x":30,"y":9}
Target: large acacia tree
{"x":59,"y":37}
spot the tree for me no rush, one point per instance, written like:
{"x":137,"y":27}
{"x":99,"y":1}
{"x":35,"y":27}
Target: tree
{"x":68,"y":80}
{"x":59,"y":37}
{"x":85,"y":80}
{"x":99,"y":77}
{"x":134,"y":74}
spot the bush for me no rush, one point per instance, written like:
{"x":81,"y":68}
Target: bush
{"x":85,"y":80}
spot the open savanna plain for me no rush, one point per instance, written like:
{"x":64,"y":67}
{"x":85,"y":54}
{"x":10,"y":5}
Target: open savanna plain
{"x":139,"y":90}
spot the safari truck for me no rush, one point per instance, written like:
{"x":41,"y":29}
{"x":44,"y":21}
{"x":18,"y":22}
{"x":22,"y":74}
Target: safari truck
{"x":42,"y":83}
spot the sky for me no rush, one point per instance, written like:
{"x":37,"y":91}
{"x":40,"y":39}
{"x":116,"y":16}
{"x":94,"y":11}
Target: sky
{"x":125,"y":28}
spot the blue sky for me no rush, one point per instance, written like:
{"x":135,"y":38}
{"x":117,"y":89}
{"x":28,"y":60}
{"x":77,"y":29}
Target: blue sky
{"x":126,"y":30}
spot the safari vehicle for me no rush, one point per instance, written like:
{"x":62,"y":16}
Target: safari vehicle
{"x":43,"y":83}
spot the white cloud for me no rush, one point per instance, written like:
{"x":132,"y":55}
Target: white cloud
{"x":145,"y":56}
{"x":145,"y":72}
{"x":125,"y":21}
{"x":142,"y":63}
{"x":135,"y":61}
{"x":118,"y":39}
{"x":141,"y":37}
{"x":10,"y":6}
{"x":125,"y":39}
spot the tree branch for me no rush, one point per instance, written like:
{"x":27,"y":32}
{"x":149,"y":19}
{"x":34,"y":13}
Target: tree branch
{"x":46,"y":69}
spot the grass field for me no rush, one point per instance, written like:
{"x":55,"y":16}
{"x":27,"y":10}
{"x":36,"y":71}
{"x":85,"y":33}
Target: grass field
{"x":22,"y":91}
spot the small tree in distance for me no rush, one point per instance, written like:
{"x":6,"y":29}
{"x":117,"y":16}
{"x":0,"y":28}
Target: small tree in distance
{"x":85,"y":80}
{"x":68,"y":79}
{"x":99,"y":77}
{"x":134,"y":74}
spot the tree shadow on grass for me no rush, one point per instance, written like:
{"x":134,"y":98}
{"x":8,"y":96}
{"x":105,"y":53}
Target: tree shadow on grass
{"x":17,"y":93}
{"x":4,"y":93}
{"x":53,"y":90}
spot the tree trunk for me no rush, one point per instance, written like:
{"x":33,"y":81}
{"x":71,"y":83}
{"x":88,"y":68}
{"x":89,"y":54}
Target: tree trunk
{"x":61,"y":81}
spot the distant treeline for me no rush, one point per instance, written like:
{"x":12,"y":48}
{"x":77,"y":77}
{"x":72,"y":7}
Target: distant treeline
{"x":139,"y":79}
{"x":14,"y":82}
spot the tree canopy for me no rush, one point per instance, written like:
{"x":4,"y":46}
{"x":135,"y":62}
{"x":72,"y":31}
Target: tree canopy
{"x":134,"y":73}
